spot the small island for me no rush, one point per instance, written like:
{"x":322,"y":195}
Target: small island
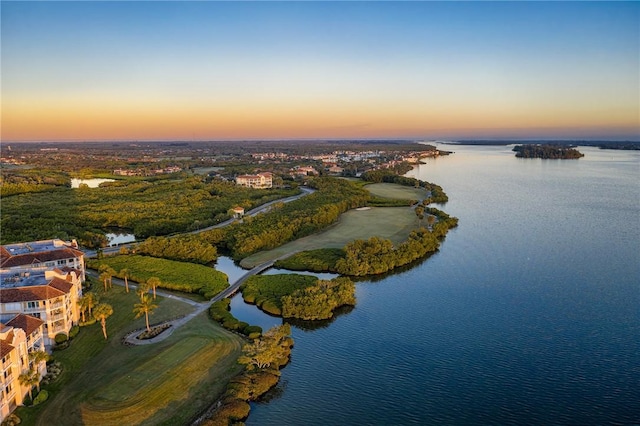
{"x":547,"y":152}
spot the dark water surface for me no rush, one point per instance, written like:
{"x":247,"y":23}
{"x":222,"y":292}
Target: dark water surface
{"x":529,"y":313}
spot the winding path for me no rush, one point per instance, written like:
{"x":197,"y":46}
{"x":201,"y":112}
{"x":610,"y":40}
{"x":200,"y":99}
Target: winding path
{"x":200,"y":307}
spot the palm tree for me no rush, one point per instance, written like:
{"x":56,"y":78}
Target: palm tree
{"x":82,"y":304}
{"x":37,"y":357}
{"x":145,"y":307}
{"x":105,"y":277}
{"x":124,"y":273}
{"x":91,"y":300}
{"x":142,"y":289}
{"x":154,"y":282}
{"x":101,"y":313}
{"x":30,"y":378}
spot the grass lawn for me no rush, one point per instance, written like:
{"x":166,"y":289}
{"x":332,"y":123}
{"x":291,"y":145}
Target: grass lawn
{"x":170,"y":382}
{"x":392,"y":190}
{"x":181,"y":276}
{"x":394,"y":223}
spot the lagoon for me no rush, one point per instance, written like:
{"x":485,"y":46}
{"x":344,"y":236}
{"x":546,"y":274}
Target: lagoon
{"x":528,"y":314}
{"x":91,"y":183}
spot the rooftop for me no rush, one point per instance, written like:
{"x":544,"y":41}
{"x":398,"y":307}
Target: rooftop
{"x":38,"y":246}
{"x":36,"y":252}
{"x":33,"y":277}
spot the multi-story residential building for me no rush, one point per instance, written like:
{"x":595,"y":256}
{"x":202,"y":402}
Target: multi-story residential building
{"x":260,"y":180}
{"x":42,"y":255}
{"x":18,"y":337}
{"x":50,"y":295}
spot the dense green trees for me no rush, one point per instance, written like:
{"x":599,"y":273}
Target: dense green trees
{"x":266,"y":291}
{"x":149,"y":207}
{"x":375,"y":255}
{"x":298,"y":296}
{"x":320,"y":300}
{"x":184,"y":248}
{"x":547,"y":152}
{"x":297,"y":218}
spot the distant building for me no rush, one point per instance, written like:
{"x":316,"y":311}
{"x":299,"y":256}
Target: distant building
{"x":304,"y":171}
{"x":238,"y":212}
{"x":42,"y":255}
{"x":260,"y":180}
{"x":18,"y":337}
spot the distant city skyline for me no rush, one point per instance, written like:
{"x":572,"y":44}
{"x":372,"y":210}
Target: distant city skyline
{"x":75,"y":71}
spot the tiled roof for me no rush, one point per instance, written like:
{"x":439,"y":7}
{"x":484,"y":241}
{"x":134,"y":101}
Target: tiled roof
{"x":60,"y":284}
{"x":5,"y":348}
{"x":7,"y":260}
{"x":4,"y":252}
{"x":26,"y":322}
{"x":27,"y":294}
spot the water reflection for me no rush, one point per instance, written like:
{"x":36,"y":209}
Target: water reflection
{"x":91,"y":183}
{"x":120,"y":238}
{"x":311,"y":325}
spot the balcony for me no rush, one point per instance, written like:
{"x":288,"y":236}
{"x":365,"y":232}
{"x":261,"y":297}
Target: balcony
{"x":56,"y":317}
{"x":58,"y":329}
{"x":56,"y":305}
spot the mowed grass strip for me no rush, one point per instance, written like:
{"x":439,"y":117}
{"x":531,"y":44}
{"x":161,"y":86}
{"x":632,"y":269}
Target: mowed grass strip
{"x":394,"y":223}
{"x":395,"y":191}
{"x":182,"y":373}
{"x":172,"y":386}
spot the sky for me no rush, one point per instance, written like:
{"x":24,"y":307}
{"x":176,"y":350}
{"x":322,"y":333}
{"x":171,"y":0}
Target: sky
{"x":328,"y":70}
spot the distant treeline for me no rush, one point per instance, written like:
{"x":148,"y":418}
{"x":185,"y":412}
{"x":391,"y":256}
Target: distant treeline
{"x":627,"y":145}
{"x":547,"y":152}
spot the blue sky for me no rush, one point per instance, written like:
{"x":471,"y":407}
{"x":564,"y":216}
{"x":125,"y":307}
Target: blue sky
{"x":220,"y":70}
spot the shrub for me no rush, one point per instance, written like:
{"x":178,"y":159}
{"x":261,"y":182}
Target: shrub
{"x":42,"y":396}
{"x":231,"y":411}
{"x":252,"y":331}
{"x":12,"y":420}
{"x":87,"y":322}
{"x":61,"y":338}
{"x":270,"y":307}
{"x":74,"y":331}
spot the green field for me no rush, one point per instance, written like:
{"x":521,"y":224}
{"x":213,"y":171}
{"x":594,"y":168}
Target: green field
{"x":392,"y":190}
{"x":174,"y":275}
{"x":394,"y":223}
{"x":107,"y":383}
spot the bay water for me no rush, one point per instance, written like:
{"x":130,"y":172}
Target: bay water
{"x":528,"y":314}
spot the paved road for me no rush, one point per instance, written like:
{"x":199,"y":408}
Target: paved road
{"x":253,"y":212}
{"x":199,"y":306}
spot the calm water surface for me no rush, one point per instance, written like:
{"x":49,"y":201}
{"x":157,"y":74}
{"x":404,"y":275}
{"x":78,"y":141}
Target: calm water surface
{"x":529,"y":314}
